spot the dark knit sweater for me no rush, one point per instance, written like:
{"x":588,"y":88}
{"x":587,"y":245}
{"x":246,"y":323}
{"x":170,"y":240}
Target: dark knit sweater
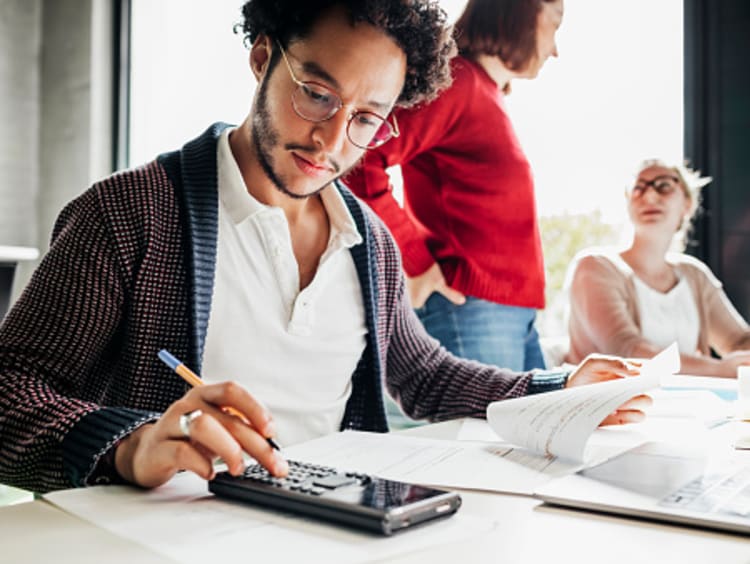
{"x":130,"y":271}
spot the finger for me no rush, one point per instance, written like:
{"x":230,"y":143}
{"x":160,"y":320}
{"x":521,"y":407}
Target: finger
{"x":606,"y":375}
{"x":189,"y":458}
{"x":639,"y":403}
{"x":452,"y":295}
{"x":622,"y":417}
{"x":255,"y":445}
{"x":232,"y":395}
{"x":213,"y":437}
{"x":418,"y":300}
{"x":158,"y":466}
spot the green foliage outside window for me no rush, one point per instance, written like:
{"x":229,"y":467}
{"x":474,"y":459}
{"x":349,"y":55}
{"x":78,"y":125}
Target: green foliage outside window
{"x":562,"y":237}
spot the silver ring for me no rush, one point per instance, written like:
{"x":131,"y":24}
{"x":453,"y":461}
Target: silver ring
{"x":186,"y":419}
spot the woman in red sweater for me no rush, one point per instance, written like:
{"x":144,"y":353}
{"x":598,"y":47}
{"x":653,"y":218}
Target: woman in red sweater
{"x":468,"y":231}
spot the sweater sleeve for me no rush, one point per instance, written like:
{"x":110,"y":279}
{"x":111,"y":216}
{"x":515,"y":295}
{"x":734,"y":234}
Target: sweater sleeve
{"x":726,"y":329}
{"x":422,"y":129}
{"x":52,"y":341}
{"x":600,"y":318}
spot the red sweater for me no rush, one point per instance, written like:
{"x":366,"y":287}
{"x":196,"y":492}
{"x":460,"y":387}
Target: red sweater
{"x":468,"y":192}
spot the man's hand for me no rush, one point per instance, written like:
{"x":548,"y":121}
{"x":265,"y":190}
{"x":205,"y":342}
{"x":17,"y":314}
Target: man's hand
{"x":431,"y":280}
{"x":153,"y":453}
{"x":598,"y":368}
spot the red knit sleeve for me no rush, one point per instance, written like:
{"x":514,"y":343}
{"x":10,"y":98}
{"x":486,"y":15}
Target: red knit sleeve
{"x":422,"y":129}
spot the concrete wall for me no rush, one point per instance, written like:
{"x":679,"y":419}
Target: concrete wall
{"x":20,"y":32}
{"x":55,"y":94}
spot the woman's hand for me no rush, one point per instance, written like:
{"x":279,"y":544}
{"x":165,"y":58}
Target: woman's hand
{"x":599,"y":368}
{"x":431,"y":280}
{"x":155,"y":452}
{"x":729,"y":363}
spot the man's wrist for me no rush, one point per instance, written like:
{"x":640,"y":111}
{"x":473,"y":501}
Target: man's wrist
{"x":548,"y":380}
{"x":124,"y":451}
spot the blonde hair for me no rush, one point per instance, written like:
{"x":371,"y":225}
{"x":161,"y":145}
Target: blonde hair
{"x":691,"y":183}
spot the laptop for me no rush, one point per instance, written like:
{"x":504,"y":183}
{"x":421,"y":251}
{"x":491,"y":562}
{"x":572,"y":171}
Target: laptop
{"x":661,"y":482}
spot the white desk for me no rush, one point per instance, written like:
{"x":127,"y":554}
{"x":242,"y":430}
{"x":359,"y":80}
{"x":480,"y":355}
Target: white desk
{"x":525,"y":531}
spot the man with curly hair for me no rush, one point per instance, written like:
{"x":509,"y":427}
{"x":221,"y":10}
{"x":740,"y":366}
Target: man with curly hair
{"x":242,"y":254}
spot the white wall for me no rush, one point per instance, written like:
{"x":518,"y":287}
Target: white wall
{"x":55,"y":104}
{"x":20,"y":26}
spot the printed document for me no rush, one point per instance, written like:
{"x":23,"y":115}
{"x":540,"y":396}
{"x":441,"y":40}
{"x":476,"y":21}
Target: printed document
{"x":560,"y":423}
{"x":490,"y":466}
{"x":183,"y":521}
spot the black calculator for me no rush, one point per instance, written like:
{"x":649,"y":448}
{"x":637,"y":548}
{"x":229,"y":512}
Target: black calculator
{"x":348,"y":498}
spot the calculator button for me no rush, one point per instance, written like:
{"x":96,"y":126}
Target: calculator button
{"x":334,"y":481}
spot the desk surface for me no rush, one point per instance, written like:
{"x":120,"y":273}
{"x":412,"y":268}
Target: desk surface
{"x":524,"y":531}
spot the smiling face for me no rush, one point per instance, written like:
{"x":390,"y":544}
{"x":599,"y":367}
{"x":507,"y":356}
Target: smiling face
{"x":658,"y":202}
{"x":362,"y":65}
{"x":548,"y":22}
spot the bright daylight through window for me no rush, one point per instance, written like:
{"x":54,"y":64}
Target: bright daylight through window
{"x":613,"y":98}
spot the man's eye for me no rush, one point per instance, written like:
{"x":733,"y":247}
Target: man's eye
{"x":368,"y":120}
{"x":317,"y":95}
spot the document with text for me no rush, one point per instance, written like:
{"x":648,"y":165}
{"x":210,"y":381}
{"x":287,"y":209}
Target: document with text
{"x":183,"y":521}
{"x":560,"y":423}
{"x":488,"y":466}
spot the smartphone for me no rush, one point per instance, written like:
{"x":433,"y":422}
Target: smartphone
{"x":347,"y":498}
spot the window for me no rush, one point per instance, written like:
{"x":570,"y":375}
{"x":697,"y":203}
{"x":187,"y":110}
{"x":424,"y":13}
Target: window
{"x":613,"y":98}
{"x":188,"y":70}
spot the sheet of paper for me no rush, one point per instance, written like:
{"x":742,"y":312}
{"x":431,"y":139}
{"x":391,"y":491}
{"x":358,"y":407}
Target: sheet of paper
{"x":491,"y":466}
{"x":702,"y":405}
{"x":183,"y":521}
{"x":559,"y":423}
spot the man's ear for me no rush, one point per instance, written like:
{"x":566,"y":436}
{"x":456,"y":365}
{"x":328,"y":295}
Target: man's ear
{"x":260,"y":56}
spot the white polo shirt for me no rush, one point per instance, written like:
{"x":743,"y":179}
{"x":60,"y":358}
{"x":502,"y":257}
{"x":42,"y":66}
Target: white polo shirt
{"x":294,"y":351}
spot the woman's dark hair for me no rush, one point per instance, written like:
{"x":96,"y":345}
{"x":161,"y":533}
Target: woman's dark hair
{"x":417,"y":26}
{"x":502,"y":28}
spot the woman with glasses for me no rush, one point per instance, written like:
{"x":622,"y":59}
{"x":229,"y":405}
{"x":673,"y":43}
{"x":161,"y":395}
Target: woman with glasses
{"x":468,"y":230}
{"x":637,"y":301}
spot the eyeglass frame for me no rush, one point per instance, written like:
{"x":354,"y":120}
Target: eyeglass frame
{"x":642,"y":186}
{"x":393,"y":128}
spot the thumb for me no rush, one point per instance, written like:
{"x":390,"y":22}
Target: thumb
{"x":452,"y":295}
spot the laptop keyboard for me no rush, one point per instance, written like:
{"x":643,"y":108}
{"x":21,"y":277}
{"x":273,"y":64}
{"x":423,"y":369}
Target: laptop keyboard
{"x":714,"y":493}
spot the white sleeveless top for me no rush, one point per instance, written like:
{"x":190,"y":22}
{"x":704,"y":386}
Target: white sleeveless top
{"x":668,"y":317}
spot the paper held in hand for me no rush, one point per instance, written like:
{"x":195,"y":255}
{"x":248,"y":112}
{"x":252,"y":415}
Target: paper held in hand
{"x":560,"y":423}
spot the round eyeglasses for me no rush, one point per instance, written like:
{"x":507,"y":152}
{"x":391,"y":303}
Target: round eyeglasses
{"x":663,"y":185}
{"x":315,"y":102}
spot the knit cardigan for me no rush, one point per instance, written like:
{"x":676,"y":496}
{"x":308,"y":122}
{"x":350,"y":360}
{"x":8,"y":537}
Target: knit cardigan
{"x":604,"y":313}
{"x":130,"y":271}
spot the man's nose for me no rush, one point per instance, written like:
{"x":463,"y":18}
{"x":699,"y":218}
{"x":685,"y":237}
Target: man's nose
{"x":330,"y":135}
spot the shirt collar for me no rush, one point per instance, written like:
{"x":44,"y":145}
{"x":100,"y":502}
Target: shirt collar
{"x":240,"y":204}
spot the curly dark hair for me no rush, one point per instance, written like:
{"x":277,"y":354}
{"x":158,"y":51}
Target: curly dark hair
{"x":417,"y":26}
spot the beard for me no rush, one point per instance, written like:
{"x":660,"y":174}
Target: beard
{"x":265,"y":138}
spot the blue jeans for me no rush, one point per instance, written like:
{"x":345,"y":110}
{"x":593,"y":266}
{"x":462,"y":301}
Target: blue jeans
{"x":485,"y":331}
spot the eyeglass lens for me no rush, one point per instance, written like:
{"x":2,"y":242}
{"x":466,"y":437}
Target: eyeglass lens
{"x":315,"y":102}
{"x":662,"y":185}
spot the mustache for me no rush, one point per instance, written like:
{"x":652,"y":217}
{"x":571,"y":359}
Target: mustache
{"x":312,"y":151}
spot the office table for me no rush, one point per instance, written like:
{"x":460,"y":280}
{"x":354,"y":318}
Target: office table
{"x":523,"y":530}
